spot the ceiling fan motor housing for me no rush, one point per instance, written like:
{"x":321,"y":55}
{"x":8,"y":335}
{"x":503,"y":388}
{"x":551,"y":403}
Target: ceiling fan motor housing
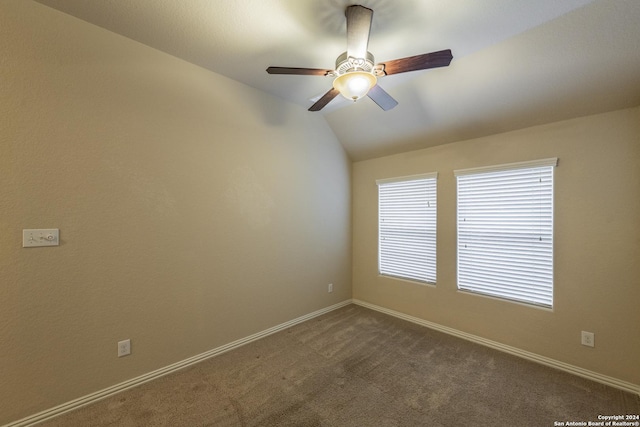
{"x":346,"y":63}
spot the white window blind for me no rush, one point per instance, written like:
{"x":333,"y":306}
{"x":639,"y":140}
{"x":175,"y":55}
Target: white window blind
{"x":407,"y":227}
{"x":505,"y":231}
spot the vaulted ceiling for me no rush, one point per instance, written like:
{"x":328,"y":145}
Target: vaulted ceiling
{"x":517,"y":63}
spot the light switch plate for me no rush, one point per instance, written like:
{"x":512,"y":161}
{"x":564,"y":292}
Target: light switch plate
{"x":40,"y":237}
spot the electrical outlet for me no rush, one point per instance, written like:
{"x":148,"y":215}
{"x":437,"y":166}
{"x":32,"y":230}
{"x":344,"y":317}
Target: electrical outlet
{"x":588,"y":339}
{"x":330,"y":288}
{"x":124,"y":348}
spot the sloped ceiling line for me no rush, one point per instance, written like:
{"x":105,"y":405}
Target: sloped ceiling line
{"x":516,"y":63}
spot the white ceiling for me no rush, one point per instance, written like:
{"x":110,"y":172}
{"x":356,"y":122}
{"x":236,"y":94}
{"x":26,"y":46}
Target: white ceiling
{"x":517,"y":63}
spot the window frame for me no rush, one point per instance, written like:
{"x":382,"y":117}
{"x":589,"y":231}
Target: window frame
{"x":414,"y":271}
{"x":524,"y":272}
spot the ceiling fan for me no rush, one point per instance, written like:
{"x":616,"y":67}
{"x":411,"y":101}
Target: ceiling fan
{"x":356,"y":73}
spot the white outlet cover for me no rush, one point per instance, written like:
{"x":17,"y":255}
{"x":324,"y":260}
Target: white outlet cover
{"x":588,"y":339}
{"x":124,"y":348}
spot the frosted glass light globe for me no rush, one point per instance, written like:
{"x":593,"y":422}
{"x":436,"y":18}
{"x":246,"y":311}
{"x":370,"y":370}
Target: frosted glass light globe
{"x":354,"y":85}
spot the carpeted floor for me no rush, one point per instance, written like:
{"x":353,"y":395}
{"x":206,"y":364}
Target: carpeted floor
{"x":358,"y":367}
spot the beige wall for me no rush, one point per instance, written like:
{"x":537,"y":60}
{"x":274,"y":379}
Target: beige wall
{"x":597,"y":242}
{"x":193,"y":210}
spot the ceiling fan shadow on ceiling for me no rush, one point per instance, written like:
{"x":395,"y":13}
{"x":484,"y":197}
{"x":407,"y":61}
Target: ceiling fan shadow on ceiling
{"x":356,"y":73}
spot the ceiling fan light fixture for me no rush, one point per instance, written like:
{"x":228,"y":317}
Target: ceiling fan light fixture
{"x":354,"y":85}
{"x":356,"y":71}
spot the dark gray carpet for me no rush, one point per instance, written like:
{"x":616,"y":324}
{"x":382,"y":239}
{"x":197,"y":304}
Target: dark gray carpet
{"x":358,"y":367}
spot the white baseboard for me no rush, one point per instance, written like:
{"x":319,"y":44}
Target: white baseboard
{"x":585,"y":373}
{"x":110,"y":391}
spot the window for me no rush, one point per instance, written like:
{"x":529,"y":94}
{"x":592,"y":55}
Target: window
{"x":505,"y":231}
{"x":407,"y":227}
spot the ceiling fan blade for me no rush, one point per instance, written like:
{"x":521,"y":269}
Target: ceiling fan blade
{"x":326,"y":98}
{"x":441,"y":58}
{"x":382,"y":98}
{"x":358,"y":29}
{"x":300,"y":71}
